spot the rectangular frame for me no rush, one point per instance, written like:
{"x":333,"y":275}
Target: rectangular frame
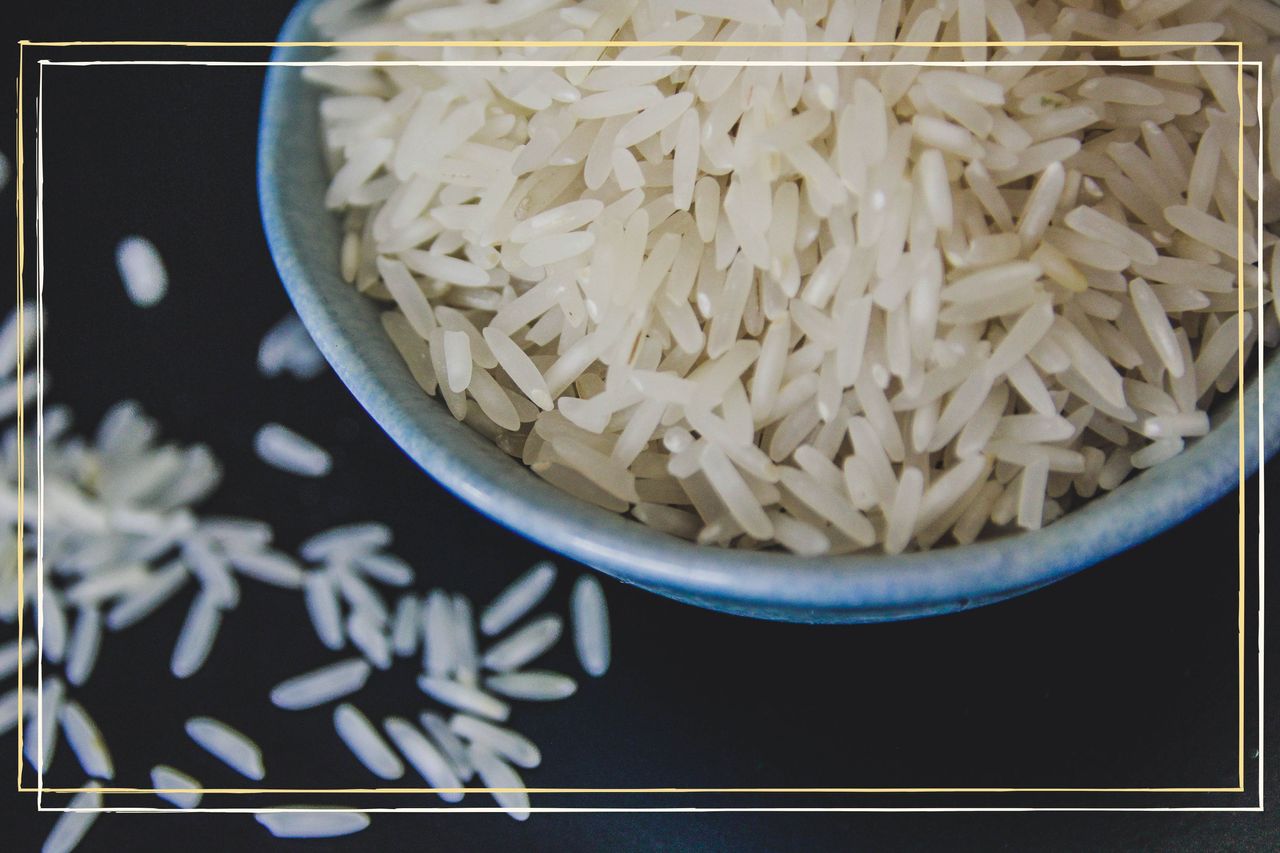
{"x":1240,"y":65}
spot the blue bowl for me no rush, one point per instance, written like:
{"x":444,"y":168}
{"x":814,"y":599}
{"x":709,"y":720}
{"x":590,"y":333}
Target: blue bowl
{"x":304,"y":241}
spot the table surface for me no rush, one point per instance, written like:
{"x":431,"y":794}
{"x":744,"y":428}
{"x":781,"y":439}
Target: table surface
{"x":1122,"y":676}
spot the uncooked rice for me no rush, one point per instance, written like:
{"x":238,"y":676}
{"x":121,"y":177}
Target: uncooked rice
{"x":83,"y":645}
{"x":287,"y":346}
{"x":41,"y":735}
{"x":464,"y":697}
{"x":425,"y":758}
{"x":405,"y":626}
{"x":449,"y":743}
{"x":496,"y":773}
{"x":233,"y":748}
{"x":591,"y":626}
{"x":322,"y":607}
{"x":365,"y":743}
{"x":176,"y":787}
{"x":532,"y":685}
{"x":196,"y":639}
{"x":12,"y":653}
{"x":10,"y":710}
{"x":525,"y":644}
{"x":510,"y":745}
{"x":347,"y":539}
{"x":865,"y":269}
{"x":519,"y":598}
{"x":367,"y":636}
{"x":439,"y":636}
{"x":321,"y":685}
{"x":99,"y":517}
{"x":283,"y":448}
{"x":312,"y":822}
{"x":86,"y":741}
{"x":741,"y":301}
{"x":72,"y":824}
{"x":142,"y":270}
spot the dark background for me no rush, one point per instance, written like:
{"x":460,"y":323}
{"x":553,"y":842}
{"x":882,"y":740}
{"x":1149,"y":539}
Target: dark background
{"x":1122,"y":676}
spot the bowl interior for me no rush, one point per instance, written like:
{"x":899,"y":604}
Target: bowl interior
{"x":305,"y":239}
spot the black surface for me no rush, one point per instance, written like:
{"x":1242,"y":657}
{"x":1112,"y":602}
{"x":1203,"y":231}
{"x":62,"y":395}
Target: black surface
{"x":1122,"y":676}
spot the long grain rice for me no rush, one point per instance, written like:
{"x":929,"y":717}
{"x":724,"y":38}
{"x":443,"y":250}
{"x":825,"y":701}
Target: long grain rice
{"x":591,"y":626}
{"x":511,"y":746}
{"x":523,"y":645}
{"x":176,"y":787}
{"x":196,"y":639}
{"x":450,"y":745}
{"x":312,"y":822}
{"x":425,"y":758}
{"x":283,"y":448}
{"x":322,"y":685}
{"x":497,"y":774}
{"x":464,"y":697}
{"x":532,"y":685}
{"x":85,"y":740}
{"x":365,"y":743}
{"x":142,"y":271}
{"x":231,"y":747}
{"x":82,"y":811}
{"x":585,"y":262}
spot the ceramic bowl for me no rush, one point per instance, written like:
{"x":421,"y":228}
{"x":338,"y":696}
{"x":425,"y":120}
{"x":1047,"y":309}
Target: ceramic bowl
{"x":304,"y":240}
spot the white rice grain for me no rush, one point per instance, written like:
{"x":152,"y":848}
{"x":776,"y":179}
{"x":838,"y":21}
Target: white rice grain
{"x":519,"y":598}
{"x":449,"y":744}
{"x":591,"y":626}
{"x":523,"y":645}
{"x":498,"y":775}
{"x":72,"y":825}
{"x":196,"y":639}
{"x":1156,"y":324}
{"x":82,"y":651}
{"x":85,"y":740}
{"x":226,"y":744}
{"x":366,"y":743}
{"x":425,"y":758}
{"x":142,"y":270}
{"x":510,"y":745}
{"x":283,"y":448}
{"x":464,"y":697}
{"x":322,"y":607}
{"x":13,"y":653}
{"x":365,"y":630}
{"x":904,"y":511}
{"x":457,"y":358}
{"x":40,"y":736}
{"x":532,"y":685}
{"x":321,"y":685}
{"x":312,"y":822}
{"x":347,"y":539}
{"x":176,"y":787}
{"x":405,"y":627}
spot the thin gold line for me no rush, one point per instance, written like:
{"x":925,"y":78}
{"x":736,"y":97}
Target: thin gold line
{"x":621,"y":43}
{"x":1240,"y":359}
{"x":23,"y":43}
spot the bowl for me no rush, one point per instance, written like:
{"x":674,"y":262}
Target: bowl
{"x":304,"y":240}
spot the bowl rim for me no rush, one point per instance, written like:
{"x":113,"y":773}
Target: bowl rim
{"x":771,"y":584}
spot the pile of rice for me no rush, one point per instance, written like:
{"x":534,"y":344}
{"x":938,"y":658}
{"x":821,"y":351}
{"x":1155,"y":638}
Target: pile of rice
{"x":824,"y":307}
{"x":121,"y":535}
